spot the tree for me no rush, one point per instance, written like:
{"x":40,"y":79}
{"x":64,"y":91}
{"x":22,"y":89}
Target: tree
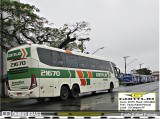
{"x":144,"y":71}
{"x":71,"y":33}
{"x":20,"y":24}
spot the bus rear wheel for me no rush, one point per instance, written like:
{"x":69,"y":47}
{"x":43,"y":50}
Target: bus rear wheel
{"x":93,"y":93}
{"x":110,"y":90}
{"x":64,"y":94}
{"x":75,"y":91}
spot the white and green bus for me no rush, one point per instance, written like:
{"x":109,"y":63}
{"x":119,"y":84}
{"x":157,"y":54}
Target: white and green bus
{"x":39,"y":71}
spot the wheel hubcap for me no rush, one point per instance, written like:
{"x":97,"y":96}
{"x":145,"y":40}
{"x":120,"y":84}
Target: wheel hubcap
{"x":64,"y":93}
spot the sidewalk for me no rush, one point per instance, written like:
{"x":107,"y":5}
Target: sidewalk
{"x":8,"y":100}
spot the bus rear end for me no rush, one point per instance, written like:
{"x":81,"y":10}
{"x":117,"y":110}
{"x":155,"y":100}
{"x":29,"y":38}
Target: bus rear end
{"x":22,"y":81}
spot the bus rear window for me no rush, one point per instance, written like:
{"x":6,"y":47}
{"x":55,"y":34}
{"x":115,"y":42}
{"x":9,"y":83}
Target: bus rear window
{"x":45,"y":56}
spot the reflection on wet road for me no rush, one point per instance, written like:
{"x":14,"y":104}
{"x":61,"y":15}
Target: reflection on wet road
{"x":102,"y":100}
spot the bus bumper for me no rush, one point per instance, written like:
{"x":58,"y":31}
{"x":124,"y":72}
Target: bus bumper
{"x":34,"y":93}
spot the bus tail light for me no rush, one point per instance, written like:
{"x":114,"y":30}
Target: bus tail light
{"x":33,"y":82}
{"x":7,"y":83}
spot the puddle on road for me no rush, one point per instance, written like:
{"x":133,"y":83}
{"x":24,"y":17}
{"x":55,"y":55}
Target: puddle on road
{"x":87,"y":102}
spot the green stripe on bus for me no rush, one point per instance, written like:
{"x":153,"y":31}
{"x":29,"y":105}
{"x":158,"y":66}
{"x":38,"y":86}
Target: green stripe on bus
{"x":85,"y":74}
{"x":88,"y":81}
{"x":52,"y":73}
{"x":28,"y":52}
{"x":42,"y":73}
{"x":73,"y":74}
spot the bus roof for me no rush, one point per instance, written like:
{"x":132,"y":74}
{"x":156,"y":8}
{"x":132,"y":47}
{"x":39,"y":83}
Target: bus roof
{"x":60,"y":50}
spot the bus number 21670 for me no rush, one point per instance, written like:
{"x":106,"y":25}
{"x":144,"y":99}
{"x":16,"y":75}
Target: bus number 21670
{"x":50,"y":73}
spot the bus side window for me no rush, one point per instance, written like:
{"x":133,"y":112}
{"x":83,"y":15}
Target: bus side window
{"x":100,"y":65}
{"x":92,"y":64}
{"x":54,"y":57}
{"x":62,"y":60}
{"x":108,"y":66}
{"x":71,"y":61}
{"x":83,"y":62}
{"x":59,"y":59}
{"x":104,"y":65}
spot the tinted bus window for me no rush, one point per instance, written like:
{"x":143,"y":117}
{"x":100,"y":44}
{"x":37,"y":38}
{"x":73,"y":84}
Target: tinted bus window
{"x":93,"y":63}
{"x":83,"y":62}
{"x":108,"y":66}
{"x":59,"y":59}
{"x":71,"y":61}
{"x":45,"y":56}
{"x":100,"y":65}
{"x":104,"y":65}
{"x":54,"y":58}
{"x":62,"y":60}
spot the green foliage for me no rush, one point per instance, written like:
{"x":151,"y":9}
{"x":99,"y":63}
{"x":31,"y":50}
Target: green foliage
{"x":144,"y":71}
{"x":20,"y":24}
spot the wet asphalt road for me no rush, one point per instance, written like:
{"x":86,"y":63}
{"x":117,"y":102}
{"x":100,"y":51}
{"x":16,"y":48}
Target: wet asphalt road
{"x":100,"y":101}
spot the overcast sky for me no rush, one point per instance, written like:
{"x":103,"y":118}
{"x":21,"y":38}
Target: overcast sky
{"x":123,"y":27}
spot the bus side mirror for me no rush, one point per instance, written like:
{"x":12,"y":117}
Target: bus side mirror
{"x":118,"y":71}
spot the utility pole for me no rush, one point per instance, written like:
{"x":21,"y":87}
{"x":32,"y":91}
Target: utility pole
{"x":1,"y":66}
{"x":125,"y":57}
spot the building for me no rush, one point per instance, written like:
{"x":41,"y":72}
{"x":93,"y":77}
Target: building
{"x":133,"y":71}
{"x":155,"y":75}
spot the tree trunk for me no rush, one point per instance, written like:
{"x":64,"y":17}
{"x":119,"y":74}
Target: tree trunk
{"x":66,"y":42}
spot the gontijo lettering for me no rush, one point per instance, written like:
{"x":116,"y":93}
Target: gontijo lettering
{"x":14,"y":54}
{"x":101,"y":74}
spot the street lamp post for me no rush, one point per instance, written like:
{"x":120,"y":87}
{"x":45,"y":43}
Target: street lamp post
{"x":125,"y":62}
{"x":97,"y":50}
{"x":131,"y":62}
{"x":140,"y":65}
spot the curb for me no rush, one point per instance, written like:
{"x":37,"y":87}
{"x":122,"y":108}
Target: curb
{"x":9,"y":100}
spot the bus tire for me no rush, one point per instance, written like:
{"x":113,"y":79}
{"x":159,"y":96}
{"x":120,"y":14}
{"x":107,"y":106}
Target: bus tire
{"x":75,"y":91}
{"x":64,"y":93}
{"x":93,"y":93}
{"x":127,"y":84}
{"x":110,"y":90}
